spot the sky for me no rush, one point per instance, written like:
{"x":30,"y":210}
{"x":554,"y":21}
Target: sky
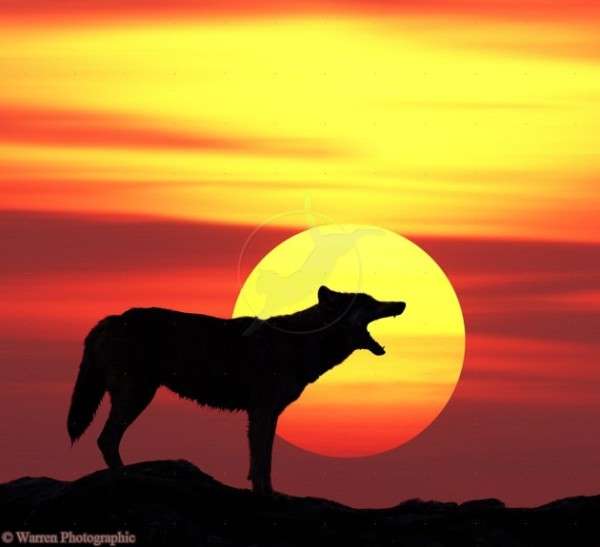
{"x":142,"y":143}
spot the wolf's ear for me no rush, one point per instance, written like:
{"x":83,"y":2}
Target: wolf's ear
{"x":326,"y":296}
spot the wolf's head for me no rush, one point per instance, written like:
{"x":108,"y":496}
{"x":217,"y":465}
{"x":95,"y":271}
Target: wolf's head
{"x":354,"y":311}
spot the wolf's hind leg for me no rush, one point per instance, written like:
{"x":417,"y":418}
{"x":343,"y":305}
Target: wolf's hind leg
{"x":126,"y":406}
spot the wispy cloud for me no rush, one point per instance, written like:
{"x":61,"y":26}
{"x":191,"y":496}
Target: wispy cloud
{"x":113,"y":9}
{"x":105,"y":129}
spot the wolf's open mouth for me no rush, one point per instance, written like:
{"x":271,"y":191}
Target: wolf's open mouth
{"x":373,"y":346}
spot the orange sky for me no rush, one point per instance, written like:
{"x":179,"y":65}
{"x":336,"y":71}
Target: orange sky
{"x":421,"y":121}
{"x":141,"y":142}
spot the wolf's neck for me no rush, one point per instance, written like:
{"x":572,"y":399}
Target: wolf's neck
{"x":331,"y":348}
{"x":321,"y":343}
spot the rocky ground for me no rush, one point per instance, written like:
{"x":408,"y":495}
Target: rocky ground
{"x":173,"y":503}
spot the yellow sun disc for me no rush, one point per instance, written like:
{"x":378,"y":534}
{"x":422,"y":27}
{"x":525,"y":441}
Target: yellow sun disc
{"x":368,"y":404}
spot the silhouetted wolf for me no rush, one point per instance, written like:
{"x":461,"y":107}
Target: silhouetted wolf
{"x":213,"y":362}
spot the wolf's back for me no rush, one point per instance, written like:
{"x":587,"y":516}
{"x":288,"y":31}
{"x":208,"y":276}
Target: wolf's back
{"x":91,"y":383}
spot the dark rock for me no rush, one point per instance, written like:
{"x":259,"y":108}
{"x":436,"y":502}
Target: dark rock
{"x":174,"y":503}
{"x":482,"y":505}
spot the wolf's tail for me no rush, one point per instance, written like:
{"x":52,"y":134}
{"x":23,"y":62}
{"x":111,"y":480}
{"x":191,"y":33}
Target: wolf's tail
{"x":89,"y":387}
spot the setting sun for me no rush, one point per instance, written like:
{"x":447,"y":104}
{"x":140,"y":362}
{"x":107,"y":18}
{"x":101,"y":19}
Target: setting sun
{"x":368,"y":404}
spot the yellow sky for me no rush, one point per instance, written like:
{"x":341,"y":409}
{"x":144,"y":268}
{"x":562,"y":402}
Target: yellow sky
{"x":417,"y":125}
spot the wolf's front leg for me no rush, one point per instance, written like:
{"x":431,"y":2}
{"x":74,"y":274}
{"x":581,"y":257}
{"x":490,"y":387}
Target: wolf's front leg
{"x":261,"y":432}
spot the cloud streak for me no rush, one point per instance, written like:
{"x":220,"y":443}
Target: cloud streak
{"x":113,"y":9}
{"x":79,"y":128}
